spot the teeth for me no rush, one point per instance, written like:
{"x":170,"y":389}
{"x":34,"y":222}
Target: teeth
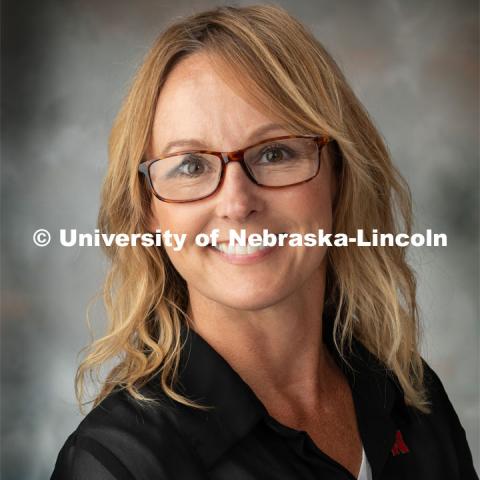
{"x":237,"y":249}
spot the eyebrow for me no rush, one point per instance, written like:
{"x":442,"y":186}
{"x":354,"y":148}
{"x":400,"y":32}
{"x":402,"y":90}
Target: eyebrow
{"x":196,"y":143}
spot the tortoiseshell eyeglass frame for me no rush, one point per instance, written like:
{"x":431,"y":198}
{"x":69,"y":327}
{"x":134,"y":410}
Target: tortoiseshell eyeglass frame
{"x":235,"y":156}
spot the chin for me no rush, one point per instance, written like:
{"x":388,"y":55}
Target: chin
{"x":252,"y":301}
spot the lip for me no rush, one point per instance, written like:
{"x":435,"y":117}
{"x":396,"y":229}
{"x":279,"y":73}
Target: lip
{"x":246,"y":259}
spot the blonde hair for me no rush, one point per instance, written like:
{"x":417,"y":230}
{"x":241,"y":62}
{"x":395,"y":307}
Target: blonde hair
{"x":284,"y":68}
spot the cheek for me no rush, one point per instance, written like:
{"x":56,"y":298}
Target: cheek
{"x":310,"y":206}
{"x":178,"y":219}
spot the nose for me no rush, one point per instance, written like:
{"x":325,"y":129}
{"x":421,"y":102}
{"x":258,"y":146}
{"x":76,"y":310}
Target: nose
{"x":238,"y":197}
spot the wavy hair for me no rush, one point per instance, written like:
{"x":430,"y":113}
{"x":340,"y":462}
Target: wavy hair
{"x":275,"y":60}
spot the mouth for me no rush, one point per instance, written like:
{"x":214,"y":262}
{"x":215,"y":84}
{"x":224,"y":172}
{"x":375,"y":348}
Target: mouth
{"x":236,"y":251}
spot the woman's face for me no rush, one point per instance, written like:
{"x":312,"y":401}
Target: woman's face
{"x":196,"y":104}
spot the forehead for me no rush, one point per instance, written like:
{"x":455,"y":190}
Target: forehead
{"x":196,"y":101}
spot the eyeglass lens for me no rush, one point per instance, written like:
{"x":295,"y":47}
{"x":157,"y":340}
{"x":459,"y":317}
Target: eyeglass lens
{"x":274,"y":163}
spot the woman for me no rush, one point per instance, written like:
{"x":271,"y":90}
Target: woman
{"x":271,"y":362}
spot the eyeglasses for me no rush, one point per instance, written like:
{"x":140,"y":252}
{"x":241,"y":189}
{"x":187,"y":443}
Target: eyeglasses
{"x":196,"y":174}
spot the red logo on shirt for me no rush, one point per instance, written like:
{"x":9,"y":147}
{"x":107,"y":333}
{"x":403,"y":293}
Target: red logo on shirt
{"x":399,"y":446}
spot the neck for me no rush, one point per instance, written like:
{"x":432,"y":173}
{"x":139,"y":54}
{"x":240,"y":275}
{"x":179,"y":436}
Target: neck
{"x":278,"y":350}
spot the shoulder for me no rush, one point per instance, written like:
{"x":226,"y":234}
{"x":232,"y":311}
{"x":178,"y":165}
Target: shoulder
{"x":122,"y":438}
{"x":440,"y":403}
{"x":120,"y":412}
{"x":444,"y":423}
{"x":435,"y":442}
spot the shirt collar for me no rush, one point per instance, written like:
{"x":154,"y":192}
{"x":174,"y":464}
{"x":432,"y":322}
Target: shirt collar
{"x":378,"y":397}
{"x":206,"y":377}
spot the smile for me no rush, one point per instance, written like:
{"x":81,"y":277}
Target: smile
{"x":240,"y":255}
{"x":238,"y":249}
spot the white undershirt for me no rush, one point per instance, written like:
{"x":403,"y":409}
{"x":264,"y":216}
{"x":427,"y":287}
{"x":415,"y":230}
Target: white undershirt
{"x":365,"y":469}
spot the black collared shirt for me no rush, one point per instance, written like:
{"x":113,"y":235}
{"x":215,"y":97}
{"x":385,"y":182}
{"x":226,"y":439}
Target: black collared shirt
{"x":124,"y":440}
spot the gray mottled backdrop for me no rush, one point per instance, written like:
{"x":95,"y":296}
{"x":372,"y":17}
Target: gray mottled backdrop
{"x":66,"y":66}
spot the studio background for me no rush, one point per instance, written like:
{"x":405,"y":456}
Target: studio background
{"x":65,"y":68}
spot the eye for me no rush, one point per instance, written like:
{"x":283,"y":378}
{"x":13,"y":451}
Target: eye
{"x":275,"y":154}
{"x":193,"y":166}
